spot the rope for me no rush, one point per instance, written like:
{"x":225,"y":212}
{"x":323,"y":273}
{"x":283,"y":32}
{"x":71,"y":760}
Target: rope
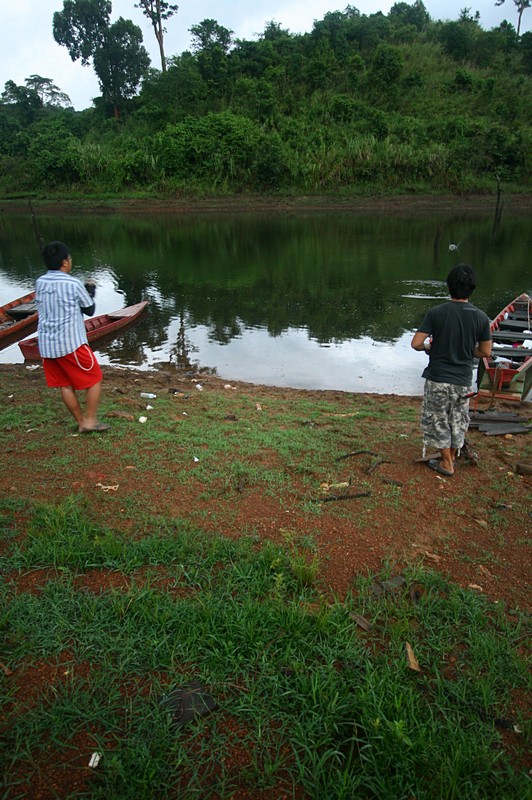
{"x":85,"y":369}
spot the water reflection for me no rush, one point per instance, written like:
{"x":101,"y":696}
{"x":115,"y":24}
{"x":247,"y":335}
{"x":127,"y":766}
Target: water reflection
{"x":323,"y":300}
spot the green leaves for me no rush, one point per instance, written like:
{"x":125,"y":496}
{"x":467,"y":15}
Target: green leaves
{"x":119,"y":58}
{"x":224,"y":149}
{"x":82,"y":27}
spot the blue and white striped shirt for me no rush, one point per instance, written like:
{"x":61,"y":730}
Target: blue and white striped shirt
{"x":60,"y":298}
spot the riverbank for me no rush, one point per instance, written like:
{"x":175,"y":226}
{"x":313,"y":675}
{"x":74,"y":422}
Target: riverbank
{"x":359,"y":204}
{"x":235,"y":458}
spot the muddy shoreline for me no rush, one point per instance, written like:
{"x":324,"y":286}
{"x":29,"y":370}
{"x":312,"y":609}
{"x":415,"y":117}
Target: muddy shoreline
{"x":397,"y":205}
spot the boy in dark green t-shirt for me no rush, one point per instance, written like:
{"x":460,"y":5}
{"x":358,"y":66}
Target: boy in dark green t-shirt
{"x":458,"y":333}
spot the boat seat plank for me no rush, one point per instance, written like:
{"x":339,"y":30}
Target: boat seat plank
{"x":514,"y":353}
{"x":515,"y":324}
{"x":23,"y":310}
{"x":510,"y":336}
{"x":495,"y":416}
{"x":502,"y":430}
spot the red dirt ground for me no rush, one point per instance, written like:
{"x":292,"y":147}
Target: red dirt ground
{"x":474,"y":527}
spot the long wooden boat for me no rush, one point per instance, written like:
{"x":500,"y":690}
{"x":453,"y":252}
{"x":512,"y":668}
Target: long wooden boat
{"x":99,"y":327}
{"x":507,"y":375}
{"x":17,"y":319}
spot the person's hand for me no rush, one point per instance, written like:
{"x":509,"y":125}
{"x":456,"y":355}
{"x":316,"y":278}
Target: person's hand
{"x":90,"y":286}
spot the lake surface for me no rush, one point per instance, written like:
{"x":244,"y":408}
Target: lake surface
{"x":314,"y":300}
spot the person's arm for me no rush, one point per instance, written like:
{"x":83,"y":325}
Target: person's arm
{"x":90,"y":288}
{"x":483,"y":349}
{"x":89,"y":310}
{"x":418,"y":342}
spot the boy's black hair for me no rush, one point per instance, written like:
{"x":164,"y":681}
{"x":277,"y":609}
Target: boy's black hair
{"x":461,"y":281}
{"x":54,"y":254}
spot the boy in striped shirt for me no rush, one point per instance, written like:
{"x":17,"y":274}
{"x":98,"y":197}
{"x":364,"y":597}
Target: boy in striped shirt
{"x":68,"y":361}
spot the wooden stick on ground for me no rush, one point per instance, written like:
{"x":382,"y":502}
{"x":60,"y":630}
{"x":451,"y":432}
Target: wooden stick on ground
{"x":377,"y":463}
{"x":331,"y":497}
{"x":356,"y":453}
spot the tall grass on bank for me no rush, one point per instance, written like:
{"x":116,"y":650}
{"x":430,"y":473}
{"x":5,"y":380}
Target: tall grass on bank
{"x":309,"y":703}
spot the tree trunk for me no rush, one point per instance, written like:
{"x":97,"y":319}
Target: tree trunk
{"x":159,"y":35}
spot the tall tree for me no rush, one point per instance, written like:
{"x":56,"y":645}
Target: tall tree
{"x":157,"y":11}
{"x":521,"y":6}
{"x":23,"y":100}
{"x":82,"y":26}
{"x":49,"y":93}
{"x":209,"y":34}
{"x":211,"y":43}
{"x":120,"y":62}
{"x":416,"y":14}
{"x":117,"y":53}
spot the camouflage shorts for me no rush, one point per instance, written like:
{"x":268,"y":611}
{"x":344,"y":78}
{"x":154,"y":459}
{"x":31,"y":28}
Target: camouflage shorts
{"x":444,"y":415}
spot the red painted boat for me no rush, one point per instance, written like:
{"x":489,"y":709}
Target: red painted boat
{"x":97,"y":328}
{"x":17,"y":319}
{"x":508,"y":373}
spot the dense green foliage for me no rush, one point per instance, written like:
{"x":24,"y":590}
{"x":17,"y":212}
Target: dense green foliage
{"x":385,"y":103}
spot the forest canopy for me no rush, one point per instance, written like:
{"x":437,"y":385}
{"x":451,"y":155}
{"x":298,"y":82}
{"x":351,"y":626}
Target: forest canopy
{"x":361,"y":103}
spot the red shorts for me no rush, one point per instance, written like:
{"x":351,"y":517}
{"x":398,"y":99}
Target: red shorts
{"x":78,"y":369}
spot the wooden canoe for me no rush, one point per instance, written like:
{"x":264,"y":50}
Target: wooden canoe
{"x":17,"y":319}
{"x":507,"y":375}
{"x":99,"y":327}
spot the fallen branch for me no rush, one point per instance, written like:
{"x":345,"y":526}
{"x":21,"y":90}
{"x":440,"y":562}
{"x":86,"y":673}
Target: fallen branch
{"x":377,"y":463}
{"x":356,"y":453}
{"x":331,"y":497}
{"x":523,"y":469}
{"x":392,"y":482}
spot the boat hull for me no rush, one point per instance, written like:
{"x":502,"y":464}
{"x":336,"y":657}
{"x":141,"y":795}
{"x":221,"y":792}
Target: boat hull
{"x":102,"y":326}
{"x":508,"y":373}
{"x":17,"y":319}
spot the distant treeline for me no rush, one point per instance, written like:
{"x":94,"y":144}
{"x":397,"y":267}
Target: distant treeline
{"x":380,"y":103}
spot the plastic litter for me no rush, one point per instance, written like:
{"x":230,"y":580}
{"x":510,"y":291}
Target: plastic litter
{"x":148,"y":395}
{"x":199,"y":387}
{"x":143,"y":419}
{"x":95,"y":760}
{"x":113,"y":488}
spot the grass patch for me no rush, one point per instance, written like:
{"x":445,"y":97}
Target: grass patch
{"x":308,"y":702}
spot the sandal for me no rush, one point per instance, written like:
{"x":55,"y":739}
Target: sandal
{"x":435,"y":465}
{"x":98,"y":428}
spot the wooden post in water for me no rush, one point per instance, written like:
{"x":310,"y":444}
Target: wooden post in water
{"x":38,"y":237}
{"x":437,"y":245}
{"x":498,"y":208}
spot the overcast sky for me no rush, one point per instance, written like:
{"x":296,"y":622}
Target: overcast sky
{"x":27,"y":46}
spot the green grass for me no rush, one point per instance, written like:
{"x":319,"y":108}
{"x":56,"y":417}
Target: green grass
{"x":314,"y":705}
{"x":300,"y":435}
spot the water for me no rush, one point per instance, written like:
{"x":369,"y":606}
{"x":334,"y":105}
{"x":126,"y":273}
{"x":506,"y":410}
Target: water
{"x":319,"y":300}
